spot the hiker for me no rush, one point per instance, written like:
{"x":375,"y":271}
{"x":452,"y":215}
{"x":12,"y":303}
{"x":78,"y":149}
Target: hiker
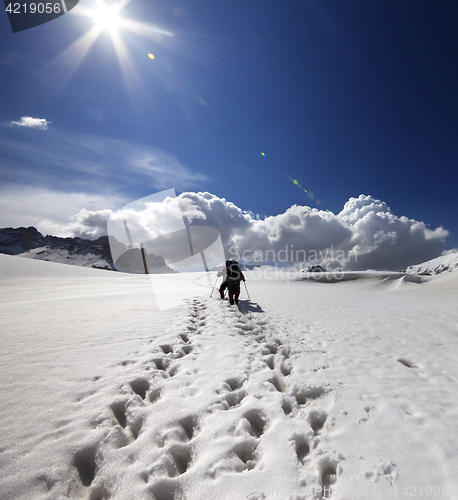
{"x":233,"y":278}
{"x":223,"y":286}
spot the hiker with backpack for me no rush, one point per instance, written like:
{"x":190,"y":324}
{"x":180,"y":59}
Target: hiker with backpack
{"x":232,"y":282}
{"x":223,"y":286}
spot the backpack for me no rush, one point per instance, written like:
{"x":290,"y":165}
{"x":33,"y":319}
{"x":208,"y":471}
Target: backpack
{"x":233,"y":271}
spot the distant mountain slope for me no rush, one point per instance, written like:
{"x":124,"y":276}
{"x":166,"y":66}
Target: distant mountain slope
{"x":438,"y":265}
{"x":30,"y":243}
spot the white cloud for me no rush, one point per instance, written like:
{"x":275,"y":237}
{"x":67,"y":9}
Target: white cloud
{"x":87,"y":224}
{"x":451,"y":251}
{"x":385,"y":240}
{"x":95,"y":161}
{"x":366,"y":234}
{"x":53,"y":212}
{"x":164,"y":168}
{"x":28,"y":121}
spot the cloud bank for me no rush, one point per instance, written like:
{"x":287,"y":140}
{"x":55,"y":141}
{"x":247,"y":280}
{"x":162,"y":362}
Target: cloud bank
{"x":366,"y":234}
{"x":53,"y":212}
{"x":28,"y":121}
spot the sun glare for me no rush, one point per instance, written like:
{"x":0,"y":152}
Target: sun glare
{"x":106,"y":18}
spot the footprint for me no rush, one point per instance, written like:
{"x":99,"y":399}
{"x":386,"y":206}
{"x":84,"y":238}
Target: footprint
{"x":84,"y":461}
{"x":277,"y":383}
{"x":270,"y":362}
{"x":116,"y":438}
{"x":368,"y":410}
{"x":126,"y":363}
{"x":285,"y":368}
{"x":314,"y":392}
{"x":135,"y":426}
{"x":182,"y":456}
{"x":246,"y":452}
{"x":302,"y":448}
{"x":119,"y":411}
{"x":407,"y":363}
{"x":167,"y":348}
{"x":286,"y":407}
{"x":140,"y":386}
{"x":234,"y":398}
{"x":257,"y":422}
{"x":189,"y":425}
{"x":184,"y":337}
{"x":317,"y":420}
{"x":234,"y":383}
{"x":285,"y":351}
{"x":307,"y":393}
{"x":383,"y":469}
{"x":154,"y":395}
{"x":134,"y":415}
{"x":161,"y":363}
{"x":300,"y":397}
{"x":328,"y":478}
{"x":273,"y":349}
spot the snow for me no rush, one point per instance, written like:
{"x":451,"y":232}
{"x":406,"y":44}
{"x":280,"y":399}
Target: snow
{"x":63,"y":256}
{"x":311,"y":390}
{"x":447,"y":262}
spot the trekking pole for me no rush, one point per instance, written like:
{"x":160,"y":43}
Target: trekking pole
{"x":247,"y":291}
{"x":214,"y":287}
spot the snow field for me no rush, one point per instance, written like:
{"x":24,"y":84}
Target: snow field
{"x":313,"y":390}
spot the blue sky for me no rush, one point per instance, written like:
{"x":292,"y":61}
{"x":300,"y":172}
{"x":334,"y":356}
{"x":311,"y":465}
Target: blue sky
{"x":348,"y":98}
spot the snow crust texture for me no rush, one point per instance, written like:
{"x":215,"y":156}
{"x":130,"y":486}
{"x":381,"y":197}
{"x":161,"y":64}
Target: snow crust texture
{"x":308,"y":391}
{"x":237,"y":425}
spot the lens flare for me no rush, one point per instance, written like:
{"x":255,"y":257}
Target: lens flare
{"x":296,"y":182}
{"x":309,"y":193}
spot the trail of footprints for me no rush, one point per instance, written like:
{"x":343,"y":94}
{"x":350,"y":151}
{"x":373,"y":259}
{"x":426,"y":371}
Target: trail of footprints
{"x":294,"y":401}
{"x":176,"y":443}
{"x":128,"y":420}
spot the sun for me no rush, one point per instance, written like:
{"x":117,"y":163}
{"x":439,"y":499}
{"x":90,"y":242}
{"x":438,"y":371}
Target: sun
{"x":106,"y":17}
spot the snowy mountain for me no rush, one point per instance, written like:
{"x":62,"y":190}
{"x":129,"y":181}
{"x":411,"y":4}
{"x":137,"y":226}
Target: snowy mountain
{"x":448,"y":262}
{"x":30,"y":243}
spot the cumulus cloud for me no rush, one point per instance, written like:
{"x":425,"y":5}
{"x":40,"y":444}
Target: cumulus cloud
{"x":451,"y":251}
{"x":28,"y":121}
{"x":366,"y":234}
{"x":87,"y":224}
{"x":53,"y":212}
{"x":384,"y":240}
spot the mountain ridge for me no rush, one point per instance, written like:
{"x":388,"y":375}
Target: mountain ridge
{"x":30,"y":243}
